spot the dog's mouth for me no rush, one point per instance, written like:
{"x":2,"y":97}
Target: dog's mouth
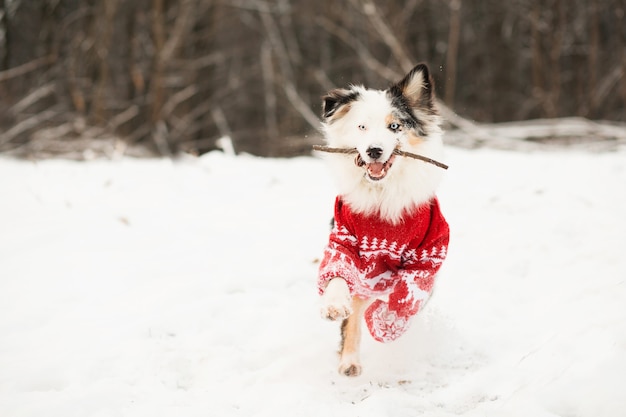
{"x":376,"y":170}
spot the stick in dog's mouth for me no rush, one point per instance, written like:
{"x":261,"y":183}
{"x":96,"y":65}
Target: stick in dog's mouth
{"x":395,"y":152}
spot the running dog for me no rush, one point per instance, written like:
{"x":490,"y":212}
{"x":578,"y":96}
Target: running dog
{"x":389,"y":237}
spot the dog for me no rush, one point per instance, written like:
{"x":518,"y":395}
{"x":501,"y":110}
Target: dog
{"x":389,"y":237}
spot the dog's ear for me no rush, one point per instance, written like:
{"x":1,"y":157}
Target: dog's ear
{"x":336,"y":103}
{"x":417,"y":87}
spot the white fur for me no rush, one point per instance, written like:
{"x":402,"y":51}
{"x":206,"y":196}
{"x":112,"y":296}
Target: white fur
{"x":336,"y":300}
{"x":409,"y":182}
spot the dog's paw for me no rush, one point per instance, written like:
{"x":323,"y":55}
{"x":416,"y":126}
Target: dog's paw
{"x":350,"y":369}
{"x":336,"y":301}
{"x":336,"y":311}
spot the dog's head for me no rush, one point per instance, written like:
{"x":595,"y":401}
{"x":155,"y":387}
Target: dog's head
{"x":376,"y":123}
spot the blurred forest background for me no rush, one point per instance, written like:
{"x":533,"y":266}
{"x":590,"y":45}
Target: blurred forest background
{"x":177,"y":75}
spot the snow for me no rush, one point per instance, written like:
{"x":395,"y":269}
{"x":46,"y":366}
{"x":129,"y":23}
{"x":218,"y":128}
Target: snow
{"x":188,"y":288}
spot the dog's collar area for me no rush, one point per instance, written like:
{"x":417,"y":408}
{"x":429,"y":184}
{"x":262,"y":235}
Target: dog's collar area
{"x":398,"y":152}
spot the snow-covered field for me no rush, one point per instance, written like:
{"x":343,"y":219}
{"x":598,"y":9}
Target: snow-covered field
{"x":187,"y":288}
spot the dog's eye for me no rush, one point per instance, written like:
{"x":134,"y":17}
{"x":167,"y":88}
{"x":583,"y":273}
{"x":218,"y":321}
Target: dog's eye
{"x":394,"y":127}
{"x":362,"y":127}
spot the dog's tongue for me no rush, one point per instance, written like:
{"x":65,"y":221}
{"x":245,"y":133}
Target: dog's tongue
{"x":376,"y":169}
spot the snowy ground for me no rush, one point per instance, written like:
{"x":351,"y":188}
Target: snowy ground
{"x":187,"y":288}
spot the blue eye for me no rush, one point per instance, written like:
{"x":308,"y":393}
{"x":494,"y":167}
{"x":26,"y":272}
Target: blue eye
{"x":394,"y":127}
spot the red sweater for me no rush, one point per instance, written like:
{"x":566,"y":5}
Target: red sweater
{"x":377,"y":258}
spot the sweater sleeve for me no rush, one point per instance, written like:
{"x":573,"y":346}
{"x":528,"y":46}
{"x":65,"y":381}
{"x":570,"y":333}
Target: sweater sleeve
{"x":341,"y":255}
{"x":422,"y":261}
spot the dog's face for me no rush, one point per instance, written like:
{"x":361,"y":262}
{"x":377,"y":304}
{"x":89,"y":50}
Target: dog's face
{"x":376,"y":123}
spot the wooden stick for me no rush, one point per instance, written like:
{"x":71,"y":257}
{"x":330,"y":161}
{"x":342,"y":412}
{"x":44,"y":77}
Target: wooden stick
{"x":396,"y":152}
{"x":421,"y":158}
{"x":328,"y":149}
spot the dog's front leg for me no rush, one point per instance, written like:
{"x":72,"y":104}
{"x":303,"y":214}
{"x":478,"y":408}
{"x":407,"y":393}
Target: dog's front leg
{"x":336,"y":303}
{"x":349,"y":359}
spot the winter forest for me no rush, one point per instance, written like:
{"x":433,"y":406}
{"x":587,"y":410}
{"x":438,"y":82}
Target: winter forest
{"x":163,"y":218}
{"x":178,"y":75}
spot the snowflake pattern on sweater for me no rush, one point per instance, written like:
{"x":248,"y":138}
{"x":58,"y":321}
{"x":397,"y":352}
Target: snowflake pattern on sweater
{"x":379,"y":259}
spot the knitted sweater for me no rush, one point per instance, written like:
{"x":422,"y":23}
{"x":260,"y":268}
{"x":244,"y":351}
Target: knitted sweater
{"x":379,"y":259}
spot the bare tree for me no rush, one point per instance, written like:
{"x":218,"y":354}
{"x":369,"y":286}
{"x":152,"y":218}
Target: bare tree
{"x":173,"y":76}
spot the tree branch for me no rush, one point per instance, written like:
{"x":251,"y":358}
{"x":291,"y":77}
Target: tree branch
{"x":374,"y":16}
{"x":26,"y":68}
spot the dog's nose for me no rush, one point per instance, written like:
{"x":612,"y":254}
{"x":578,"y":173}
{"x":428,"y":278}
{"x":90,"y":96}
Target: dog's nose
{"x":374,"y":152}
